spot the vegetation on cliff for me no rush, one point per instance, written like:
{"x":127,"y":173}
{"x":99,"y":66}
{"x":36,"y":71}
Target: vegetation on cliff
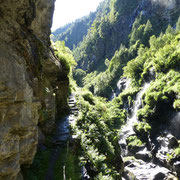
{"x":97,"y":128}
{"x":147,"y":58}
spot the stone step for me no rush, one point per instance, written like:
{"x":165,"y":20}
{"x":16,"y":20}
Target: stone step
{"x":72,"y":105}
{"x":70,"y":100}
{"x":74,"y":113}
{"x":74,"y":109}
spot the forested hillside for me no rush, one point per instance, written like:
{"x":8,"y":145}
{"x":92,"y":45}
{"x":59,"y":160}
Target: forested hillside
{"x":72,"y":34}
{"x":146,"y":101}
{"x":113,"y":27}
{"x":128,"y":91}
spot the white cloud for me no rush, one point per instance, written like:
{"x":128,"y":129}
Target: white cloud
{"x":169,"y":4}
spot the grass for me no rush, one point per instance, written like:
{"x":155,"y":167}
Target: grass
{"x":39,"y":168}
{"x":72,"y":168}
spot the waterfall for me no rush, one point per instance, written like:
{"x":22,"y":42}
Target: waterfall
{"x":138,"y":104}
{"x":113,"y":95}
{"x":143,"y":167}
{"x":127,"y":130}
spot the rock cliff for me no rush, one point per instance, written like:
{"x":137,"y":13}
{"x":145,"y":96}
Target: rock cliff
{"x":33,"y":83}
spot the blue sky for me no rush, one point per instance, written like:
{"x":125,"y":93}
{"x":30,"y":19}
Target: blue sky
{"x":69,"y":10}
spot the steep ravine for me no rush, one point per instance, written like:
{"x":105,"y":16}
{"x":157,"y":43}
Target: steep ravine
{"x":30,"y":74}
{"x":34,"y":88}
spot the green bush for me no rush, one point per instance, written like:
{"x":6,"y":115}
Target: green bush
{"x":134,"y":141}
{"x":142,"y":127}
{"x":99,"y":138}
{"x":88,"y":96}
{"x":78,"y":75}
{"x":65,"y":55}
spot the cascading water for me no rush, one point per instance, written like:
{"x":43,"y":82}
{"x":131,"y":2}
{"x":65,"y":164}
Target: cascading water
{"x":113,"y":95}
{"x":141,"y":168}
{"x":138,"y":103}
{"x":127,"y":130}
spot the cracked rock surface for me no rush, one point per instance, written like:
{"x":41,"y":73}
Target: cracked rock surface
{"x":27,"y":67}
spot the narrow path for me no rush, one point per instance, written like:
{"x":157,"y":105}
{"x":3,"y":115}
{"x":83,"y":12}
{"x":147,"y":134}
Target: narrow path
{"x":60,"y":138}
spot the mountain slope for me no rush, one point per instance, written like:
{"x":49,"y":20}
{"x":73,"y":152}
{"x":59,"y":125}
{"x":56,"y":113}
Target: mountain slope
{"x":148,"y":107}
{"x":74,"y":32}
{"x":111,"y":30}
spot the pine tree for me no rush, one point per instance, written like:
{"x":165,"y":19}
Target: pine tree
{"x":137,"y":34}
{"x":178,"y":25}
{"x":169,"y":30}
{"x":137,"y":30}
{"x":137,"y":22}
{"x":161,"y":34}
{"x":148,"y":32}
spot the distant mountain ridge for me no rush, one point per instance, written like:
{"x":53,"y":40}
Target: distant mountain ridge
{"x":74,"y":32}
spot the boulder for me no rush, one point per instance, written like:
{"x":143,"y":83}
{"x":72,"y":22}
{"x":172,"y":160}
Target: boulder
{"x":176,"y":166}
{"x":144,"y":154}
{"x":140,"y":170}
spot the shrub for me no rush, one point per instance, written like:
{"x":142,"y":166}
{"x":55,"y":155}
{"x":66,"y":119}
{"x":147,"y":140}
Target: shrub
{"x":134,"y":141}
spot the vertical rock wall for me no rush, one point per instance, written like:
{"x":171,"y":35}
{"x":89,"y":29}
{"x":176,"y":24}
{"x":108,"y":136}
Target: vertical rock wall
{"x":29,"y":74}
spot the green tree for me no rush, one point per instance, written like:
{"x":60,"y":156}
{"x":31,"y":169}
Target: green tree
{"x":169,"y":30}
{"x":148,"y":32}
{"x":178,"y":25}
{"x":104,"y":29}
{"x":107,"y":62}
{"x":78,"y":75}
{"x":137,"y":34}
{"x":137,"y":30}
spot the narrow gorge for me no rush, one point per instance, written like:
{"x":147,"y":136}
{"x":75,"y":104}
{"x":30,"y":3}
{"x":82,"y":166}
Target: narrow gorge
{"x":97,"y":99}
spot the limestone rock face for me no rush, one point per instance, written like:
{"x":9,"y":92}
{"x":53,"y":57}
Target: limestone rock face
{"x":29,"y":74}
